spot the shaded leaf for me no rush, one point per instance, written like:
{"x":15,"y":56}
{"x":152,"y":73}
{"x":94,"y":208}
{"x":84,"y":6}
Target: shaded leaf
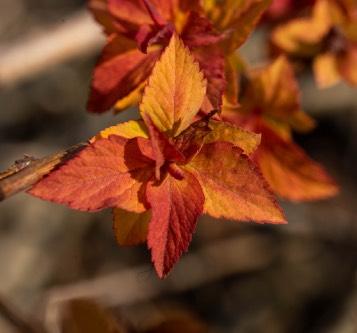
{"x":237,"y":17}
{"x":273,"y":93}
{"x":212,"y":65}
{"x":290,"y":172}
{"x":100,"y":11}
{"x":224,"y":131}
{"x":130,"y":100}
{"x":199,"y":31}
{"x":120,"y":70}
{"x":347,"y":64}
{"x":178,"y":323}
{"x":130,"y":14}
{"x":245,"y":21}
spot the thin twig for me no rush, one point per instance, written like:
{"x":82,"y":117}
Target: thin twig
{"x":17,"y":320}
{"x":19,"y":180}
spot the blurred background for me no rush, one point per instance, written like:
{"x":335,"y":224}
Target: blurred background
{"x":236,"y":278}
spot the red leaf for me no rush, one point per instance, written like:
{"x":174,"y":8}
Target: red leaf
{"x":176,"y":205}
{"x":130,"y":13}
{"x":108,"y":173}
{"x":163,"y":149}
{"x":99,"y":9}
{"x":212,"y":64}
{"x":151,"y":35}
{"x":121,"y":69}
{"x":154,"y":13}
{"x":199,"y":31}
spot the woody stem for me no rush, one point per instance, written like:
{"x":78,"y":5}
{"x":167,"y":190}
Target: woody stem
{"x":19,"y":180}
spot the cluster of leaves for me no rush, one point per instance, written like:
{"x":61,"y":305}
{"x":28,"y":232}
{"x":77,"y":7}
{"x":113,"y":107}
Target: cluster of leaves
{"x":215,"y":136}
{"x":320,"y":32}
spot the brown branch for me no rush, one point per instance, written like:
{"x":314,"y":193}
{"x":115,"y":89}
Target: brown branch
{"x":24,"y":173}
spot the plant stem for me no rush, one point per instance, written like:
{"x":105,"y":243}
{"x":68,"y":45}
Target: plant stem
{"x":17,"y":179}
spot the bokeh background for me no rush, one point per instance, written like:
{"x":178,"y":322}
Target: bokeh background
{"x":236,"y":278}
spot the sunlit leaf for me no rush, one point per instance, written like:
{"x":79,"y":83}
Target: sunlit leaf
{"x":175,"y":90}
{"x":233,"y":186}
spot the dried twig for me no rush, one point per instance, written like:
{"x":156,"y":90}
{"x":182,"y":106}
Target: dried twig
{"x":73,"y":37}
{"x":21,"y":176}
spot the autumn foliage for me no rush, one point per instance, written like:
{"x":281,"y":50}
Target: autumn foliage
{"x":215,"y":135}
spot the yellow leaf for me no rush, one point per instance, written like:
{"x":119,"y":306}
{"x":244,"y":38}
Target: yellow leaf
{"x":175,"y":90}
{"x":222,"y":131}
{"x":129,"y":130}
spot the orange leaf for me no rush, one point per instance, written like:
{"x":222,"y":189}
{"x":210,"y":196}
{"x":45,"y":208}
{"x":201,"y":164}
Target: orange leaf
{"x":107,"y":173}
{"x":176,"y":205}
{"x":325,"y":70}
{"x":130,"y":100}
{"x":234,"y":65}
{"x":233,"y":186}
{"x":130,"y":228}
{"x":290,"y":172}
{"x":237,"y":16}
{"x":273,"y":93}
{"x":347,"y":64}
{"x":175,"y":90}
{"x":303,"y":35}
{"x":245,"y":20}
{"x":100,"y":11}
{"x":130,"y":13}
